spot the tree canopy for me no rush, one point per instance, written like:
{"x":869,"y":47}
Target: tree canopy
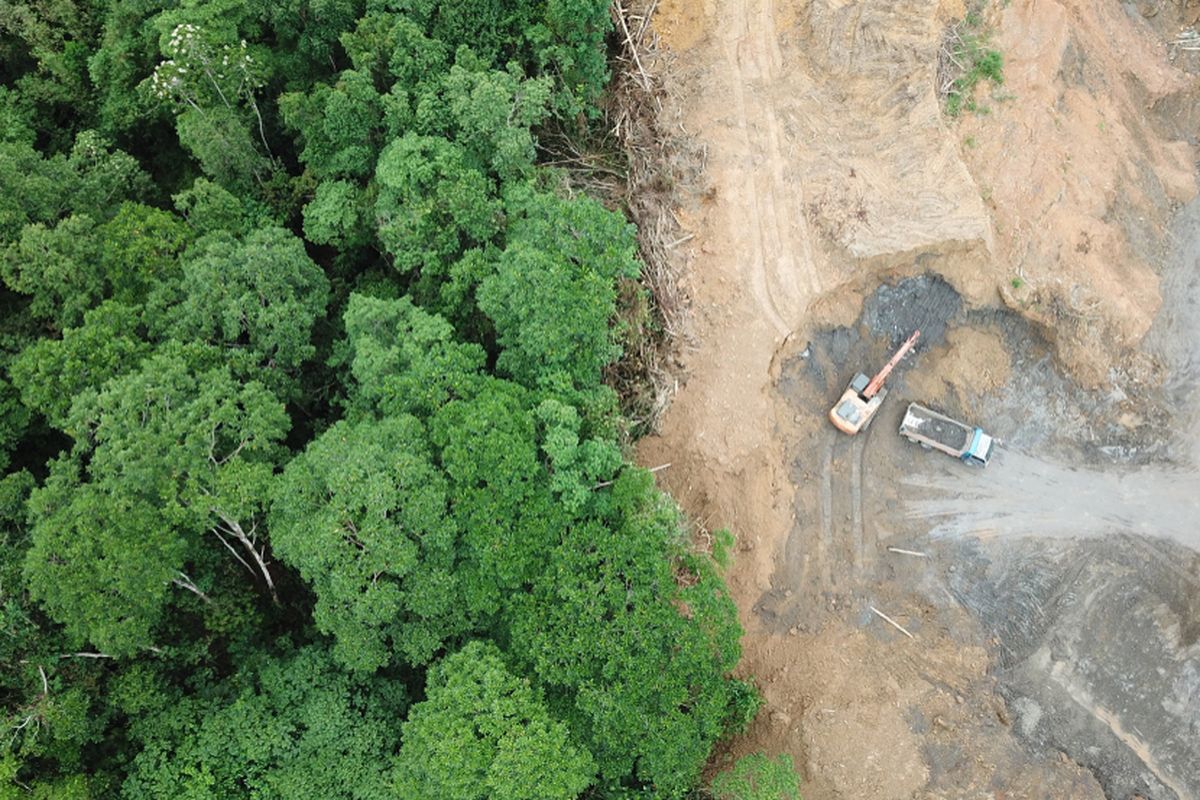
{"x":310,"y":482}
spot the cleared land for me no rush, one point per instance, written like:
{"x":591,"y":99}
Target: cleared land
{"x":1048,"y":251}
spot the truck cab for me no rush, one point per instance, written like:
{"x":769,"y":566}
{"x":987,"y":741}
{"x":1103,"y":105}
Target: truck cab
{"x":979,"y":452}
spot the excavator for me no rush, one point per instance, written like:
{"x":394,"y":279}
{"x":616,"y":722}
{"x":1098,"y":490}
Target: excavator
{"x":862,"y":398}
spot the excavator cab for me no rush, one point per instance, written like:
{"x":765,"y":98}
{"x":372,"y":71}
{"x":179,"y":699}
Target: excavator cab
{"x":853,"y":412}
{"x":863,"y":396}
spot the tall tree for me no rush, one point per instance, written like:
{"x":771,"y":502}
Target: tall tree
{"x":432,"y":206}
{"x":553,"y":294}
{"x":296,"y":726}
{"x":635,"y":638}
{"x":482,"y":733}
{"x":172,"y":460}
{"x":52,"y":373}
{"x":362,"y":514}
{"x":255,"y":298}
{"x":405,"y":360}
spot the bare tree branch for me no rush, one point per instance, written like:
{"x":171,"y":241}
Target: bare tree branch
{"x":234,"y":528}
{"x":183,"y":581}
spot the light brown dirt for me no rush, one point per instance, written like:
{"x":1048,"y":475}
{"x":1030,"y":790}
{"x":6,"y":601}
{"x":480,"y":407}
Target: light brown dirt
{"x":1071,"y":164}
{"x":829,"y":166}
{"x":682,"y":23}
{"x":971,"y":363}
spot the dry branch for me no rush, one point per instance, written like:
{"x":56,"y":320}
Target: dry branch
{"x":902,"y":551}
{"x":891,"y":622}
{"x":662,"y":160}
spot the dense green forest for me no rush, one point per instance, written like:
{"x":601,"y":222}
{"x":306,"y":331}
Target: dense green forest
{"x":312,"y":486}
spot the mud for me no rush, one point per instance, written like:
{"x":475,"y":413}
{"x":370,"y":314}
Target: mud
{"x":1074,"y":555}
{"x":1096,"y":634}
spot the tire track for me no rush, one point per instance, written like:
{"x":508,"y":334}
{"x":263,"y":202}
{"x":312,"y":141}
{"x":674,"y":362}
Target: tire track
{"x":857,"y":448}
{"x":842,"y":555}
{"x":825,"y":546}
{"x":782,"y":276}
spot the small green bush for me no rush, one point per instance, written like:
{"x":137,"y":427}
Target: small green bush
{"x":757,"y":777}
{"x":979,"y":63}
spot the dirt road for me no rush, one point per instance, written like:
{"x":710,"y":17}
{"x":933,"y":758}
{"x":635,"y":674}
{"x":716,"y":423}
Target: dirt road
{"x":1035,"y":497}
{"x":838,"y":210}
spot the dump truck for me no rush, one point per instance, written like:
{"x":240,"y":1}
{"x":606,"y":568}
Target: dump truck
{"x":930,"y":429}
{"x":857,"y":406}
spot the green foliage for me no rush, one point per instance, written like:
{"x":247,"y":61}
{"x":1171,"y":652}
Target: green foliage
{"x":174,"y":452}
{"x":208,"y":208}
{"x":44,"y":53}
{"x":16,"y":118}
{"x":127,"y":53}
{"x":608,"y":604}
{"x":139,"y":248}
{"x":340,"y":126}
{"x":758,"y":777}
{"x":102,"y":175}
{"x":394,"y":51}
{"x":576,"y":44}
{"x":39,"y":189}
{"x":256,"y":297}
{"x":362,"y":515}
{"x":453,"y":476}
{"x":489,"y":113}
{"x":58,"y":268}
{"x":89,"y":545}
{"x":977,"y":62}
{"x":508,"y":518}
{"x":14,"y":419}
{"x":482,"y":733}
{"x":33,"y":187}
{"x":339,"y":214}
{"x":432,"y":206}
{"x":553,"y":293}
{"x":53,"y":372}
{"x":212,"y":80}
{"x":406,"y":361}
{"x":574,"y":464}
{"x":224,"y":146}
{"x":180,"y":433}
{"x":293,"y":727}
{"x":50,"y":712}
{"x":20,"y":639}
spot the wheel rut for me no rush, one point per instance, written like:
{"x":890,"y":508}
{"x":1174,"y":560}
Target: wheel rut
{"x":782,"y":276}
{"x":844,"y":552}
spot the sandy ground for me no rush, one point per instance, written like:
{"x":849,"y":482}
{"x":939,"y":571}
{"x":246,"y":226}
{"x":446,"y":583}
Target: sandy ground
{"x":831,"y":177}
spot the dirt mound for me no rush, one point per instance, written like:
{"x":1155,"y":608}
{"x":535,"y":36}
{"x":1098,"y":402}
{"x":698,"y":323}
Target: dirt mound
{"x":971,"y":362}
{"x":883,"y":178}
{"x":1081,"y":173}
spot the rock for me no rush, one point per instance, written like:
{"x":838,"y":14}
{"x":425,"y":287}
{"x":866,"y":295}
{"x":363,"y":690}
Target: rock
{"x":1002,"y":712}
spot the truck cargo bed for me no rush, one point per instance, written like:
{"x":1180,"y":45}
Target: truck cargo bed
{"x":937,"y":429}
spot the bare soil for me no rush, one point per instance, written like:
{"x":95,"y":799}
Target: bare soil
{"x":1054,"y":617}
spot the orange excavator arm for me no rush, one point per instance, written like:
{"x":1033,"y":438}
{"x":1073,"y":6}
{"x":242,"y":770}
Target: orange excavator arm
{"x":877,"y":382}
